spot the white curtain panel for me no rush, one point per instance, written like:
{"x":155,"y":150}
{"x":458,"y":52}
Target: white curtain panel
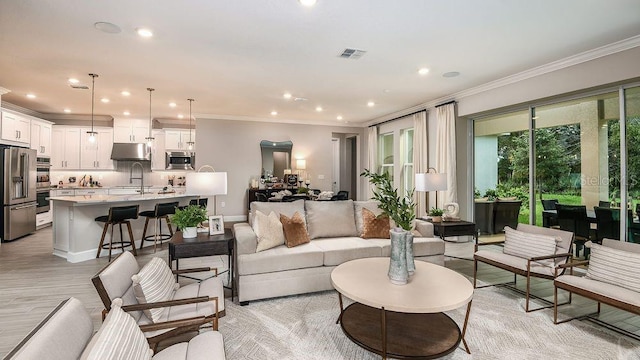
{"x":446,"y":152}
{"x":420,"y":152}
{"x":372,"y":155}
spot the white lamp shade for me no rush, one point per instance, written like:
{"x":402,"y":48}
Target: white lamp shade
{"x":431,"y":181}
{"x":206,"y":183}
{"x":301,"y":164}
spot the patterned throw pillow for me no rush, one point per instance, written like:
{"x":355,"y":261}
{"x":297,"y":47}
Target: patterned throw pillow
{"x":374,"y":227}
{"x":118,"y":338}
{"x":295,"y":232}
{"x":613,"y":266}
{"x":268,"y":229}
{"x":154,"y":282}
{"x":527,"y":245}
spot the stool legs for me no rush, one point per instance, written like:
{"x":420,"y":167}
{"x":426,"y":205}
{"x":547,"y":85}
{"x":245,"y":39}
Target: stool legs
{"x":144,"y":232}
{"x":123,"y":243}
{"x":104,"y":232}
{"x":157,"y":235}
{"x":133,"y":243}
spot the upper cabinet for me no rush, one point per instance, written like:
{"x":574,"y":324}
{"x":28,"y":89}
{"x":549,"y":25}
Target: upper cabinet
{"x":130,"y":130}
{"x":41,"y":137}
{"x":15,"y":128}
{"x":178,"y":139}
{"x":65,"y":152}
{"x":96,"y":155}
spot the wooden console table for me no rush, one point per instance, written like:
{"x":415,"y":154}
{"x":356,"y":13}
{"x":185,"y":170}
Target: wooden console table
{"x":445,"y":229}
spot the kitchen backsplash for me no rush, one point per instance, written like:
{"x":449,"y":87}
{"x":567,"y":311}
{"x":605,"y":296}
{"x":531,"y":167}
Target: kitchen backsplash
{"x":116,"y":178}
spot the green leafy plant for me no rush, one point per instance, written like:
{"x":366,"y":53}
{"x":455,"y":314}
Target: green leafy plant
{"x":402,"y":210}
{"x":303,"y":190}
{"x":190,"y":216}
{"x":436,"y":212}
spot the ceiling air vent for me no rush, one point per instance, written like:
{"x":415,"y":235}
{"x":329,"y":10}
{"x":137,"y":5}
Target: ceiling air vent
{"x":81,"y":87}
{"x":354,"y":54}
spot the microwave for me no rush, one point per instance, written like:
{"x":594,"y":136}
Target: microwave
{"x":180,"y":160}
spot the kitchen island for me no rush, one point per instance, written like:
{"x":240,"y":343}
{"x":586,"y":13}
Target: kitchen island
{"x":76,"y":234}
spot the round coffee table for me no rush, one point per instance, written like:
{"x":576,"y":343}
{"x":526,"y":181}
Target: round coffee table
{"x":402,"y":321}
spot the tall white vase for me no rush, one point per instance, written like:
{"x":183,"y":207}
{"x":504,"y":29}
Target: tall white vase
{"x":398,"y":273}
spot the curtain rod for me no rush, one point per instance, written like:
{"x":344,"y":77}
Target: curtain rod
{"x":447,"y":103}
{"x":399,"y":117}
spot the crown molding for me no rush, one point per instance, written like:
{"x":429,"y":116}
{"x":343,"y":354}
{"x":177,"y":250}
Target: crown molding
{"x":4,"y":91}
{"x":275,"y":121}
{"x":395,"y":115}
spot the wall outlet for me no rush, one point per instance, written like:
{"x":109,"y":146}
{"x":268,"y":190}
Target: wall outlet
{"x":320,"y":177}
{"x":223,"y":204}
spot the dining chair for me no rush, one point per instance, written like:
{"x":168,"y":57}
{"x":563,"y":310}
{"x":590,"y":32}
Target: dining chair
{"x":549,"y":204}
{"x":573,"y":218}
{"x":604,"y":204}
{"x":608,"y":222}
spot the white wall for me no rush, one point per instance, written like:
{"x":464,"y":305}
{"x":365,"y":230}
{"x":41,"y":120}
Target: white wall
{"x":234,"y":147}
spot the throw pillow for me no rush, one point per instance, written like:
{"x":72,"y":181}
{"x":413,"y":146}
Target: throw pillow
{"x":374,"y":227}
{"x":327,"y":219}
{"x":613,"y":266}
{"x":295,"y":233}
{"x":118,"y":338}
{"x":269,"y":231}
{"x":528,"y":245}
{"x":154,"y":282}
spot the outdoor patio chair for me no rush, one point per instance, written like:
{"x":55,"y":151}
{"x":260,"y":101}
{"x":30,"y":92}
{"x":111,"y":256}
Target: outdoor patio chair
{"x":573,"y":218}
{"x":608,"y":223}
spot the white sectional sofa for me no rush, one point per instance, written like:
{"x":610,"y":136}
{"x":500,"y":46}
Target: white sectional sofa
{"x":334,"y":228}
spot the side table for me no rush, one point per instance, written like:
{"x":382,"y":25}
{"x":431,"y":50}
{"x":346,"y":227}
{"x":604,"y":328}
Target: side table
{"x":204,"y":245}
{"x":445,"y":229}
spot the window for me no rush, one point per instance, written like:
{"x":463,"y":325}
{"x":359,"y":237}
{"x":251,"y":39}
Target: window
{"x":407,"y":160}
{"x":386,"y":154}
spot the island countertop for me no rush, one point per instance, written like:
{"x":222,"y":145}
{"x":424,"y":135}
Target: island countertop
{"x":79,"y":200}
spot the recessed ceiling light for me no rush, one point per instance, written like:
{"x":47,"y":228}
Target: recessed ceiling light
{"x":74,"y":80}
{"x":423,"y":71}
{"x":67,"y":110}
{"x":144,"y":32}
{"x":125,"y":93}
{"x":339,"y":117}
{"x":107,"y":27}
{"x":318,"y":108}
{"x":371,"y":104}
{"x":104,"y":100}
{"x":386,"y":91}
{"x":274,"y":113}
{"x":172,"y":104}
{"x":287,"y":96}
{"x":308,"y":2}
{"x":180,"y":116}
{"x":451,"y":74}
{"x":126,"y":113}
{"x":31,"y":96}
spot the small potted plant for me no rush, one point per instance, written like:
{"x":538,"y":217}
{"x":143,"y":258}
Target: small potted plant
{"x":436,"y":214}
{"x":188,"y":219}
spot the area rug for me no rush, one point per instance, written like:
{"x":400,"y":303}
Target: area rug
{"x":304,"y":327}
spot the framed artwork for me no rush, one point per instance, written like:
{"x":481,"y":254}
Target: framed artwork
{"x":216,"y":225}
{"x":291,"y":179}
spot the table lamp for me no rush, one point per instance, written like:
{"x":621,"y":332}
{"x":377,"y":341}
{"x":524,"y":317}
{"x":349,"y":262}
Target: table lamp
{"x":207,"y":184}
{"x":431,"y":181}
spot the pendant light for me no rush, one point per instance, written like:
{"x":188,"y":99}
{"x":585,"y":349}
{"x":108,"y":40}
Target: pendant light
{"x":150,"y":138}
{"x":190,"y":143}
{"x":92,"y":133}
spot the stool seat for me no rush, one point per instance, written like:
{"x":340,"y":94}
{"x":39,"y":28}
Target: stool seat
{"x":118,"y":215}
{"x":148,"y":213}
{"x":160,"y":212}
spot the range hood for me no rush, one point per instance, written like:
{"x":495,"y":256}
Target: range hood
{"x":130,"y":152}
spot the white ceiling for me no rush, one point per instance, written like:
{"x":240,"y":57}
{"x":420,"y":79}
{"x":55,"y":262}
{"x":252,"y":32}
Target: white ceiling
{"x":237,"y":58}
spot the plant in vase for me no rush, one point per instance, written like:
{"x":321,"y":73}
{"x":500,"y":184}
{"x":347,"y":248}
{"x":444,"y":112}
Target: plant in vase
{"x":436,"y":214}
{"x":401,"y":209}
{"x":188,"y":219}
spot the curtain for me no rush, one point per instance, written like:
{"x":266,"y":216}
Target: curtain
{"x":446,"y":152}
{"x":420,"y":158}
{"x":372,"y":156}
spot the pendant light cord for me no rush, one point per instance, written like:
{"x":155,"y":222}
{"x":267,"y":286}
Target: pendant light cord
{"x":190,"y":102}
{"x":150,"y":119}
{"x":93,"y":86}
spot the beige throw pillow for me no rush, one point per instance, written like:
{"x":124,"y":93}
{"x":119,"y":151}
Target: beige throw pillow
{"x":374,"y":227}
{"x":155,"y":282}
{"x":613,"y":266}
{"x":528,"y":245}
{"x":268,"y":229}
{"x":295,"y":232}
{"x":326,"y":219}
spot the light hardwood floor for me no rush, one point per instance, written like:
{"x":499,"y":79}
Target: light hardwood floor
{"x":33,"y":282}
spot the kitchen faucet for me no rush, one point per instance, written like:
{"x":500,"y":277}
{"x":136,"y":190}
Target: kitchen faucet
{"x":141,"y":178}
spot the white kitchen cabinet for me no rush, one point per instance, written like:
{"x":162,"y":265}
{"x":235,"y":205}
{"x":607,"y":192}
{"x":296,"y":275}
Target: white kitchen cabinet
{"x":124,"y":191}
{"x":43,"y":219}
{"x":65,"y":152}
{"x":178,"y":139}
{"x":90,"y":191}
{"x":97,"y":155}
{"x":62,"y":192}
{"x":41,"y":137}
{"x":158,"y":150}
{"x":130,"y":130}
{"x":15,"y":128}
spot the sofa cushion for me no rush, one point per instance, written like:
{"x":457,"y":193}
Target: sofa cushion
{"x":154,"y":283}
{"x":295,"y":232}
{"x":339,"y":250}
{"x":268,"y":230}
{"x":515,"y":262}
{"x":327,"y":219}
{"x":527,"y":245}
{"x":280,"y":208}
{"x":601,"y":288}
{"x":357,"y":208}
{"x":613,"y":266}
{"x":118,"y":338}
{"x":374,"y":226}
{"x":422,"y":246}
{"x":280,"y":258}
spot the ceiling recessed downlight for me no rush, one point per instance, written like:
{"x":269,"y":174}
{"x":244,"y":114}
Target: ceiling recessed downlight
{"x":451,"y":74}
{"x":180,"y":116}
{"x":126,"y":113}
{"x":339,"y":117}
{"x":287,"y":95}
{"x":172,"y":104}
{"x":274,"y":113}
{"x":144,"y":32}
{"x":107,"y":27}
{"x":371,"y":104}
{"x":104,"y":100}
{"x":307,"y":2}
{"x":67,"y":110}
{"x":73,"y":80}
{"x":31,"y":96}
{"x":125,"y":93}
{"x":318,"y":108}
{"x":423,"y":71}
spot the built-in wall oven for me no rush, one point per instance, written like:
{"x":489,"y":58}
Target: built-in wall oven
{"x":43,"y":184}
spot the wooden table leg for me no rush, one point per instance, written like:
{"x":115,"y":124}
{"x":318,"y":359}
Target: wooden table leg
{"x":383,"y":319}
{"x":341,"y":308}
{"x":464,"y":328}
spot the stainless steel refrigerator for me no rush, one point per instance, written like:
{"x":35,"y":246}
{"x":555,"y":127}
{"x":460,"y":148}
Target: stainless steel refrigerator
{"x":18,"y":192}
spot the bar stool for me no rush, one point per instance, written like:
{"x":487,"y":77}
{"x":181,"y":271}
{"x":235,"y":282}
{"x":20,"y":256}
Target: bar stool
{"x":161,"y":211}
{"x":118,"y":215}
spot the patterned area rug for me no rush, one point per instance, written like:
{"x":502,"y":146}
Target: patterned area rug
{"x":304,"y":327}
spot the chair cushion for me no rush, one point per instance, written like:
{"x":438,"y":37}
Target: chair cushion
{"x":601,"y":288}
{"x":116,"y":280}
{"x":374,"y":226}
{"x":295,"y":232}
{"x":514,"y":262}
{"x":330,"y":219}
{"x":613,"y":266}
{"x":268,"y":230}
{"x":339,"y":250}
{"x":527,"y":245}
{"x":211,"y":287}
{"x":207,"y":345}
{"x":154,"y":283}
{"x":119,"y":338}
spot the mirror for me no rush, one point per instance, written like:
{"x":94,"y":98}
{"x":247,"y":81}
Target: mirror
{"x":276,"y":157}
